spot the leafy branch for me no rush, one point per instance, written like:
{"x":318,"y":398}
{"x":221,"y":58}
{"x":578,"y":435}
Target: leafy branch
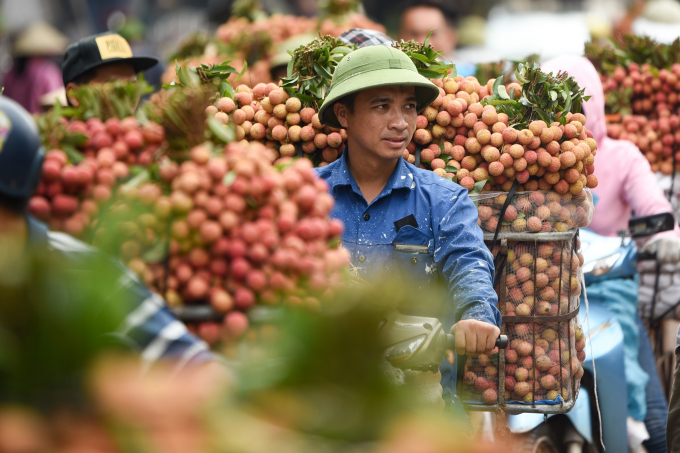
{"x":180,"y":107}
{"x":55,"y":134}
{"x":311,"y":69}
{"x":425,"y":59}
{"x":108,"y":100}
{"x":633,"y":49}
{"x":543,"y":96}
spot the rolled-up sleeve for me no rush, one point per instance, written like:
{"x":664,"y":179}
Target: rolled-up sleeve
{"x":465,"y":262}
{"x":152,"y":330}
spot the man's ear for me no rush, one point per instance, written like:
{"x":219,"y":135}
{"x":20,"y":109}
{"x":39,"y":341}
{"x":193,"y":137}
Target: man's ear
{"x":341,"y":112}
{"x":71,"y":100}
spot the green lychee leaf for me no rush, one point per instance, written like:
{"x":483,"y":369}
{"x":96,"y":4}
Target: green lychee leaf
{"x":229,"y":178}
{"x":427,"y":39}
{"x":479,"y":185}
{"x":450,"y":169}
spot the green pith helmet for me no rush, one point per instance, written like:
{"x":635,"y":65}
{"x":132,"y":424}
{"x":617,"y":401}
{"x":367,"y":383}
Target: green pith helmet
{"x":371,"y":67}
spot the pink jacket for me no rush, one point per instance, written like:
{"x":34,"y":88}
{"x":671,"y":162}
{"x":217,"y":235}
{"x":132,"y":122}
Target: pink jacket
{"x":625,"y":180}
{"x":40,"y":77}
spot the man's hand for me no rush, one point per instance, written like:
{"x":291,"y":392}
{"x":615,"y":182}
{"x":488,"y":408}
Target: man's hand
{"x":475,"y":337}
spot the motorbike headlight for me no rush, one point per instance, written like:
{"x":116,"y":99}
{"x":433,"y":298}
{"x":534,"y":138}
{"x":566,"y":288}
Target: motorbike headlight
{"x":401,"y":351}
{"x":601,"y":266}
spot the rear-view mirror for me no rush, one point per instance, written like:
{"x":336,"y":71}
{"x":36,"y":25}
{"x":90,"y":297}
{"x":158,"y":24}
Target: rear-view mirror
{"x":651,"y":224}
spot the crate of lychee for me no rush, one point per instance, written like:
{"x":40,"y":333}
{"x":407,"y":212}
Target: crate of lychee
{"x":534,"y":239}
{"x":538,"y":284}
{"x":529,"y":158}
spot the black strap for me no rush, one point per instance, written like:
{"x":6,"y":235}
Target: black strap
{"x":653,"y":321}
{"x":508,"y":200}
{"x":499,"y":264}
{"x":670,"y":194}
{"x":417,"y":162}
{"x":298,"y":148}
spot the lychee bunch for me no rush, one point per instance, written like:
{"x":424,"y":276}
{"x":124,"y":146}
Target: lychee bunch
{"x":541,"y":278}
{"x":458,"y":131}
{"x":69,"y":195}
{"x":243,"y":232}
{"x":268,"y":115}
{"x":535,"y":212}
{"x":646,"y":99}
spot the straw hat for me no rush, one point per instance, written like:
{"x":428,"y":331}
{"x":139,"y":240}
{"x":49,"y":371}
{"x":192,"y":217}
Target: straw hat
{"x":38,"y":39}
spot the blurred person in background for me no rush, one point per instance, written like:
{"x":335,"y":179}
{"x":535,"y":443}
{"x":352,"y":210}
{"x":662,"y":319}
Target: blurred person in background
{"x":418,"y":20}
{"x":102,"y":58}
{"x":149,"y":327}
{"x":34,"y":72}
{"x":626,"y":184}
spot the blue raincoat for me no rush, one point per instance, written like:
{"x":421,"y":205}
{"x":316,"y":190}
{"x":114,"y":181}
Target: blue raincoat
{"x":434,"y":222}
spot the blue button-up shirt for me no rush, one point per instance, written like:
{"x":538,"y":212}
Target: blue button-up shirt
{"x":445,"y":234}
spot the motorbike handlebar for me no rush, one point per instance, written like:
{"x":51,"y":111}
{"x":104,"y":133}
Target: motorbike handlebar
{"x":502,"y":341}
{"x":646,"y":256}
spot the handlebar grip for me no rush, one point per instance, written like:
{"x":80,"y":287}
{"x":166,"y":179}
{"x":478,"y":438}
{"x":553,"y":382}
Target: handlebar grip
{"x":646,"y":256}
{"x":502,"y":342}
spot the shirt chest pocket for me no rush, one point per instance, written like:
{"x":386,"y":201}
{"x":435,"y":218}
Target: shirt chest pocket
{"x":412,"y":257}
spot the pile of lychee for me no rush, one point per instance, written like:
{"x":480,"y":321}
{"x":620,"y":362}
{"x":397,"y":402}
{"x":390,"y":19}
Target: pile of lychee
{"x":535,"y":212}
{"x":245,"y":233}
{"x":69,"y":195}
{"x":654,"y":124}
{"x":656,"y":138}
{"x":456,"y":130}
{"x":268,"y":115}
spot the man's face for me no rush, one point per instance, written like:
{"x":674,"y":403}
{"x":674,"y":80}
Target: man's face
{"x":112,"y":72}
{"x":417,"y":22}
{"x":383,"y":121}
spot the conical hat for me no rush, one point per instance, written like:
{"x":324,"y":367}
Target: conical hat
{"x":39,"y":38}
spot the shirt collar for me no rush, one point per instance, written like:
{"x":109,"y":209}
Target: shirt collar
{"x":402,"y":177}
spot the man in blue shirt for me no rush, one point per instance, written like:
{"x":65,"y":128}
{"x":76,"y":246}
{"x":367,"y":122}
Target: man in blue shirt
{"x":400,"y":218}
{"x":149,"y":327}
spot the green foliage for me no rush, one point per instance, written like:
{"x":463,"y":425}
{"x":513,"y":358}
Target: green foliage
{"x":544,"y":96}
{"x":193,"y":46}
{"x":108,"y":100}
{"x":54,"y":134}
{"x":425,"y":57}
{"x":56,"y":316}
{"x":180,"y":107}
{"x":633,"y":49}
{"x":336,"y":10}
{"x":248,"y":9}
{"x":487,"y":71}
{"x":311,"y":69}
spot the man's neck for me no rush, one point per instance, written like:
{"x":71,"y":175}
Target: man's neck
{"x":371,"y":174}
